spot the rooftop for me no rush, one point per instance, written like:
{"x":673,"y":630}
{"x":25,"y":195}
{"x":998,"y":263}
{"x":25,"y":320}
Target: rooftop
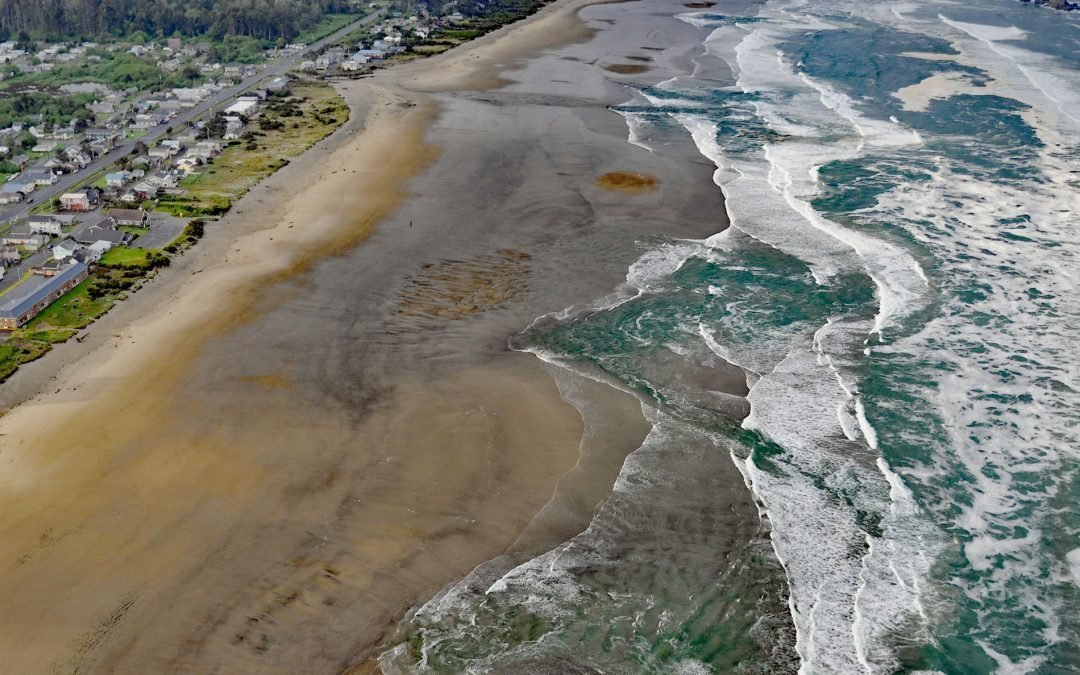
{"x":35,"y":289}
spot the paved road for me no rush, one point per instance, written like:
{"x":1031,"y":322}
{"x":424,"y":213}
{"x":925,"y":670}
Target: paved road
{"x":271,"y":70}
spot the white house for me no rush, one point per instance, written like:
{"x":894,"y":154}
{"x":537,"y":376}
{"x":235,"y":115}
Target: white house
{"x":44,"y":225}
{"x":234,"y":126}
{"x":64,"y":250}
{"x":244,"y":105}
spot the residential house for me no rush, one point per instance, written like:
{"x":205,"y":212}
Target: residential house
{"x":329,"y":58}
{"x":45,"y":225}
{"x":117,"y":179}
{"x":49,"y":268}
{"x":95,"y":251}
{"x":243,"y":105}
{"x":160,"y":153}
{"x":9,"y":255}
{"x":101,"y":107}
{"x":22,"y":235}
{"x":190,"y":96}
{"x":173,"y":144}
{"x":370,"y":54}
{"x":163,"y":180}
{"x":21,"y":161}
{"x":105,"y":230}
{"x":207,"y":148}
{"x":144,"y":190}
{"x":277,"y":84}
{"x":75,"y":201}
{"x":27,"y":299}
{"x":191,"y":134}
{"x":110,"y":137}
{"x":130,"y":217}
{"x":39,"y":178}
{"x":44,"y":146}
{"x":353,"y":64}
{"x":149,"y":120}
{"x":65,"y":249}
{"x":14,"y":192}
{"x":234,"y":126}
{"x":63,"y":133}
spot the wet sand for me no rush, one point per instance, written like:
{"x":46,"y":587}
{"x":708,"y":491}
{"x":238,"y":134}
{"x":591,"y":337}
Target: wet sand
{"x":312,"y":423}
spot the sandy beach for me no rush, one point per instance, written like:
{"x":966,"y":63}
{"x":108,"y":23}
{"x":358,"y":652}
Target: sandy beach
{"x":312,"y":422}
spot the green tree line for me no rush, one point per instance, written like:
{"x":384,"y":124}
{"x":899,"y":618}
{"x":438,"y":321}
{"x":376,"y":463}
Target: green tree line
{"x":263,"y":19}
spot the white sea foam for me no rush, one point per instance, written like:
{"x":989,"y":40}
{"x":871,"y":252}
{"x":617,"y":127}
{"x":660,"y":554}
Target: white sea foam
{"x":1073,"y":557}
{"x":636,"y":123}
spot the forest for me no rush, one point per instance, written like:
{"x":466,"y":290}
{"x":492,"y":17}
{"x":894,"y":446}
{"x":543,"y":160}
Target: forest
{"x":66,"y":19}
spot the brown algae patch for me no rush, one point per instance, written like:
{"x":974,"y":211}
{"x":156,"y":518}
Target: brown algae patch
{"x":625,"y":181}
{"x":626,"y":68}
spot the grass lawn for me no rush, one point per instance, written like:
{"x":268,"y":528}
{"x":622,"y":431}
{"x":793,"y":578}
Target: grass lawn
{"x":238,"y":168}
{"x":15,"y":351}
{"x":124,"y":256}
{"x":58,"y":323}
{"x":73,"y":310}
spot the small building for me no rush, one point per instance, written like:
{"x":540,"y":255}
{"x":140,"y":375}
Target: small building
{"x":144,"y":190}
{"x":22,"y":235}
{"x":9,"y":255}
{"x":14,"y":192}
{"x":39,"y":178}
{"x":243,"y":105}
{"x":103,"y":231}
{"x":49,"y":268}
{"x":94,"y":252}
{"x":130,"y":217}
{"x":75,"y":201}
{"x":64,"y":250}
{"x":44,"y":146}
{"x":45,"y":225}
{"x":109,"y":138}
{"x":277,"y":84}
{"x":27,"y":299}
{"x":234,"y":126}
{"x":370,"y":54}
{"x":117,"y":179}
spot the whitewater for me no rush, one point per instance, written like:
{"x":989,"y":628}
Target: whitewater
{"x":898,"y":285}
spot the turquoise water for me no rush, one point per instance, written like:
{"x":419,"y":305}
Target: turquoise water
{"x":899,"y":285}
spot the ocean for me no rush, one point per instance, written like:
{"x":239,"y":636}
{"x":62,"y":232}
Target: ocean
{"x":898,"y":285}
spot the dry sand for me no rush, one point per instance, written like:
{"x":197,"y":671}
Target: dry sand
{"x":262,"y":460}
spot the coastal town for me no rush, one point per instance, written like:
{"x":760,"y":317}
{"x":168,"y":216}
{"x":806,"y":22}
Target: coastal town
{"x":100,"y":184}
